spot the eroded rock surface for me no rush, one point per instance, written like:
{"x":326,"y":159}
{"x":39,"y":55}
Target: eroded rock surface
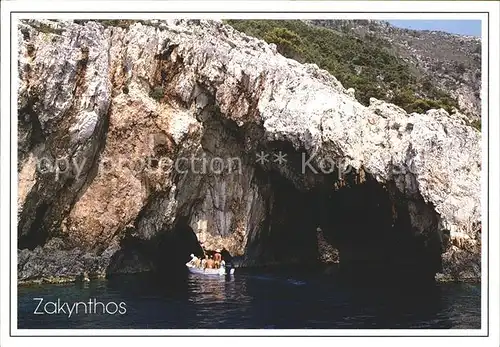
{"x":123,"y":130}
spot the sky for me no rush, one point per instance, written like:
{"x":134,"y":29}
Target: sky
{"x":462,"y":27}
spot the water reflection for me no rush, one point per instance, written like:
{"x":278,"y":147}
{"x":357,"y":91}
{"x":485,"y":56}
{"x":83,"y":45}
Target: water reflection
{"x":259,"y":300}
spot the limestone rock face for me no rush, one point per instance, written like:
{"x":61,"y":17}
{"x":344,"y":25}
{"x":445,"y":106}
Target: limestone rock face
{"x":123,"y":130}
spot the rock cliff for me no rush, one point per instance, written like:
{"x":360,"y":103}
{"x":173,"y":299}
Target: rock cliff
{"x":123,"y":130}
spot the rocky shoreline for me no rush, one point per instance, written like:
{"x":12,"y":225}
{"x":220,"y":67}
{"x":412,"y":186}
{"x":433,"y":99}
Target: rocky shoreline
{"x":125,"y":129}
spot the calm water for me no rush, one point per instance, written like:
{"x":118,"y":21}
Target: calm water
{"x":279,"y":300}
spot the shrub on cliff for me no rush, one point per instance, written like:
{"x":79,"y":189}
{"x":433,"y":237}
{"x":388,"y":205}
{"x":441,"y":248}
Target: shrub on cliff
{"x":476,"y":124}
{"x":287,"y":42}
{"x":157,"y":93}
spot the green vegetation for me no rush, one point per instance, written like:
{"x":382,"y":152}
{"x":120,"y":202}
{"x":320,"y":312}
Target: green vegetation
{"x":121,"y":23}
{"x":367,"y":65}
{"x":157,"y":93}
{"x":47,"y":29}
{"x":476,"y":124}
{"x":288,"y":43}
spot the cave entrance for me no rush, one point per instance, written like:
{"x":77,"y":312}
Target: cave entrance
{"x":367,"y":227}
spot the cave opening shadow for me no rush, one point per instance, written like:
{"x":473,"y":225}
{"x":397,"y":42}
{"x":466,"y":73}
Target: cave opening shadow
{"x":366,"y":222}
{"x":174,"y":247}
{"x":164,"y":255}
{"x":374,"y":236}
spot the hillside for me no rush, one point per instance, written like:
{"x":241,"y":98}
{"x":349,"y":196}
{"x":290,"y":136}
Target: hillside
{"x":130,"y":132}
{"x":417,"y":70}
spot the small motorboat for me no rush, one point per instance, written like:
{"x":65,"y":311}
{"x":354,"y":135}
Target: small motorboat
{"x":222,"y":271}
{"x":217,"y":272}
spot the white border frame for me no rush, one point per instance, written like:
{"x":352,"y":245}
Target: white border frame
{"x":489,"y":238}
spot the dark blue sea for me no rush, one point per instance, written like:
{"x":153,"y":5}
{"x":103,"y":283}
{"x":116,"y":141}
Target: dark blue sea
{"x":248,"y":300}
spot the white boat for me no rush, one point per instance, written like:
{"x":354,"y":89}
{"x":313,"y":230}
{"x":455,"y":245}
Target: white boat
{"x":218,"y":272}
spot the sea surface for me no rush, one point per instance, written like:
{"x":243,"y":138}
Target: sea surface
{"x":248,"y":300}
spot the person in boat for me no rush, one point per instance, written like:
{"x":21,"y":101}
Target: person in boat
{"x":197,"y":262}
{"x":217,"y":258}
{"x":204,"y":262}
{"x":210,"y":263}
